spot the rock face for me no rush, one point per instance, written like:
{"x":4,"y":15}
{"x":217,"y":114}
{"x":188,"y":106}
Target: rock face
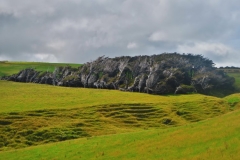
{"x":157,"y":74}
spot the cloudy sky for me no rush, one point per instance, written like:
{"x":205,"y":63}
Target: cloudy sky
{"x":77,"y":31}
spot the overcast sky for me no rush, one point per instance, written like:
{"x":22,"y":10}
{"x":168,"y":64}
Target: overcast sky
{"x":78,"y":31}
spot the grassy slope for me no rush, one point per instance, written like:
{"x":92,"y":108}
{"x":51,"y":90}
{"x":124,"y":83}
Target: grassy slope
{"x":233,"y":101}
{"x":9,"y":68}
{"x":216,"y":138}
{"x":24,"y":97}
{"x":33,"y":114}
{"x":31,"y":111}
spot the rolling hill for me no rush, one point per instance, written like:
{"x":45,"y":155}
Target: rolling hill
{"x":214,"y":138}
{"x":8,"y":68}
{"x":52,"y":122}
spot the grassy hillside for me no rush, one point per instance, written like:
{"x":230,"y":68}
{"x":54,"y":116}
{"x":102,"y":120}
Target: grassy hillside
{"x":216,"y":138}
{"x":36,"y":120}
{"x":37,"y":97}
{"x":9,"y":68}
{"x":233,"y":101}
{"x":32,"y":114}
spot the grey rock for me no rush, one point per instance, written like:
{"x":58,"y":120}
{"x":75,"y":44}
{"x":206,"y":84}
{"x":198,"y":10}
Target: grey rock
{"x":157,"y":74}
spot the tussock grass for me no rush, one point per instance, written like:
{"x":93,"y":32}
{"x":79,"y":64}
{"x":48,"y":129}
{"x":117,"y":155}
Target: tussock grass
{"x":108,"y":124}
{"x":233,"y":100}
{"x":32,"y":114}
{"x":216,"y":138}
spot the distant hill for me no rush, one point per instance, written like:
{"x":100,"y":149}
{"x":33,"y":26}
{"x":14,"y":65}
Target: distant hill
{"x":8,"y":68}
{"x":166,"y":73}
{"x":230,"y":69}
{"x":233,"y":72}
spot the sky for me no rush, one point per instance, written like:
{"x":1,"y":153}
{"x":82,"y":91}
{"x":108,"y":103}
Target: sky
{"x":79,"y":31}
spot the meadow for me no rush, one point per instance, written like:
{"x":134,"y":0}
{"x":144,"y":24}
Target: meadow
{"x":215,"y":139}
{"x":8,"y":68}
{"x":50,"y":122}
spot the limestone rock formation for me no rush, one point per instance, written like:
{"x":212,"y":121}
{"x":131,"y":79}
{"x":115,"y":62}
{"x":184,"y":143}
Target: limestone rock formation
{"x":165,"y":73}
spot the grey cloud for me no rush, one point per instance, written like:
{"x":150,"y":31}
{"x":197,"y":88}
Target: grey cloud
{"x":221,"y":53}
{"x":80,"y":30}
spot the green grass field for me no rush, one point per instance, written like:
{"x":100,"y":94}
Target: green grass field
{"x":9,"y":68}
{"x":50,"y":122}
{"x":111,"y":124}
{"x":215,"y":139}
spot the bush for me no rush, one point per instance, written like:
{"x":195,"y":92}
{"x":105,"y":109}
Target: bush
{"x":184,"y":89}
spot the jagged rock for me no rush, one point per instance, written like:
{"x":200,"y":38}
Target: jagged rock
{"x":167,"y":73}
{"x":91,"y":80}
{"x":184,"y":89}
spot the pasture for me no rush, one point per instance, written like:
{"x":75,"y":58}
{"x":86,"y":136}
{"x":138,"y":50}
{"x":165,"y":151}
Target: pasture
{"x":201,"y":127}
{"x":50,"y":122}
{"x":9,"y":68}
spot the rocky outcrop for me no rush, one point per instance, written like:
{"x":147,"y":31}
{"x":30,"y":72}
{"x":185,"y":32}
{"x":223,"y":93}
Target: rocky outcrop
{"x":157,"y":74}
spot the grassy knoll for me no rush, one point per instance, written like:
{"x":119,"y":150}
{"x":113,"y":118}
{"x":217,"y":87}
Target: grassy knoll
{"x":33,"y":114}
{"x":216,"y":138}
{"x":9,"y":68}
{"x":233,"y":101}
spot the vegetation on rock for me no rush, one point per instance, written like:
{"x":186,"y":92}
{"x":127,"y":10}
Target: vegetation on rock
{"x":165,"y":73}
